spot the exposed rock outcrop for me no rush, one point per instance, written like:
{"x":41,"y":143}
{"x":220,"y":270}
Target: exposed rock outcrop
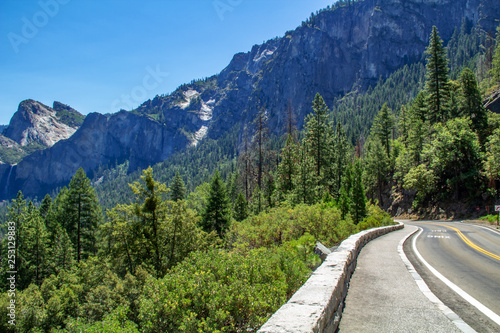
{"x":35,"y":122}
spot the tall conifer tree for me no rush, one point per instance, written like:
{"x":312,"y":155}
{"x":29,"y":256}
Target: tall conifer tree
{"x":383,"y":126}
{"x":83,"y":214}
{"x":437,"y":86}
{"x":178,"y":188}
{"x":472,"y":103}
{"x":217,"y":215}
{"x":358,"y":207}
{"x":318,"y":133}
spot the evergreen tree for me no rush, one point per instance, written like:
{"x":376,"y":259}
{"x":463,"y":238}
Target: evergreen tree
{"x":318,"y":135}
{"x":150,"y":211}
{"x":287,"y":168}
{"x":495,"y":70}
{"x":377,"y":169}
{"x":61,"y":252}
{"x":403,"y":123}
{"x":233,"y":186}
{"x":472,"y":103}
{"x":345,"y":199}
{"x":240,"y":208}
{"x":358,"y":207}
{"x":492,"y":163}
{"x":260,"y":140}
{"x":305,"y":182}
{"x":417,"y":129}
{"x":35,"y":248}
{"x":82,"y":214}
{"x":383,"y":126}
{"x":437,"y":85}
{"x":178,"y":191}
{"x":45,"y":206}
{"x":341,"y":154}
{"x":269,"y":192}
{"x":258,"y":202}
{"x":217,"y":215}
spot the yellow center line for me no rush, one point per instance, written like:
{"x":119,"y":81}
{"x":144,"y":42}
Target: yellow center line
{"x":468,"y":242}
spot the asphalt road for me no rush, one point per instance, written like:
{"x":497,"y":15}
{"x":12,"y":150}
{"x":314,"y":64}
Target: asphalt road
{"x":469,"y":257}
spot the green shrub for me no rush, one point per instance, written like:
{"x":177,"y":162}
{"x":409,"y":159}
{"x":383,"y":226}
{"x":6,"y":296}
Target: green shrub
{"x":283,"y":224}
{"x":221,"y":291}
{"x":490,"y":218}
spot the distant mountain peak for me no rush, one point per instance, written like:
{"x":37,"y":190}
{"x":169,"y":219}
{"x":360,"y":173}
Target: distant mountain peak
{"x":36,"y":123}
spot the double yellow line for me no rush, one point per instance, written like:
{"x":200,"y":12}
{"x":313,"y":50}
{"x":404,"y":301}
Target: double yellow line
{"x":468,"y":242}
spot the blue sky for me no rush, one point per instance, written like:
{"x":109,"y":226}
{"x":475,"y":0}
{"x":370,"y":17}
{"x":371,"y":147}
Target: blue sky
{"x":103,"y":55}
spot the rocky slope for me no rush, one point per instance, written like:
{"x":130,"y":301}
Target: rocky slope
{"x":332,"y":52}
{"x":36,"y":126}
{"x":35,"y":122}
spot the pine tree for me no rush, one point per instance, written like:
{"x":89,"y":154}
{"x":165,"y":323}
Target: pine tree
{"x":217,"y":215}
{"x":45,"y":206}
{"x":240,"y":208}
{"x":178,"y":191}
{"x":437,"y":86}
{"x":403,"y":123}
{"x":318,"y":135}
{"x":495,"y":70}
{"x":260,"y":140}
{"x":341,"y":154}
{"x":150,"y":210}
{"x":257,"y":203}
{"x":377,"y":168}
{"x":305,"y":181}
{"x":358,"y":206}
{"x":417,"y":128}
{"x":345,"y":198}
{"x":472,"y":103}
{"x":287,"y":168}
{"x":61,"y":251}
{"x":383,"y":126}
{"x":82,"y":214}
{"x":35,"y":247}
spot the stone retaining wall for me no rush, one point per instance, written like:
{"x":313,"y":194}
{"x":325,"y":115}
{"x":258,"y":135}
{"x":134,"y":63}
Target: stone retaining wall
{"x":317,"y":306}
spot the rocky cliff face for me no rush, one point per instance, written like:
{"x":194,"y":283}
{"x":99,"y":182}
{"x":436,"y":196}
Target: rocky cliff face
{"x":331,"y":53}
{"x":100,"y":141}
{"x":35,"y":122}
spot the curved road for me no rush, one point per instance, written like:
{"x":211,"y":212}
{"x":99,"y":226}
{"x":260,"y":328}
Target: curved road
{"x":469,"y":257}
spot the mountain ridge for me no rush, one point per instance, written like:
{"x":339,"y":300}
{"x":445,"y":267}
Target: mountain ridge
{"x":332,"y":52}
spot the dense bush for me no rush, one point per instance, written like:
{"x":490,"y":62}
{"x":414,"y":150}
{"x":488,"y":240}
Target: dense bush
{"x":221,"y":291}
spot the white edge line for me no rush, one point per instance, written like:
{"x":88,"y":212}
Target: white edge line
{"x":452,"y":316}
{"x":496,"y":232}
{"x":487,"y":312}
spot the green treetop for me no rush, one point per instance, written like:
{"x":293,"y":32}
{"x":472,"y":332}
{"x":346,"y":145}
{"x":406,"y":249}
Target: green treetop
{"x":217,"y":214}
{"x":383,"y":126}
{"x":82,"y":214}
{"x":178,"y":189}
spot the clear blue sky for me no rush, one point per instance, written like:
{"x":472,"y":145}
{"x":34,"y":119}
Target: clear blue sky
{"x":102,"y":55}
